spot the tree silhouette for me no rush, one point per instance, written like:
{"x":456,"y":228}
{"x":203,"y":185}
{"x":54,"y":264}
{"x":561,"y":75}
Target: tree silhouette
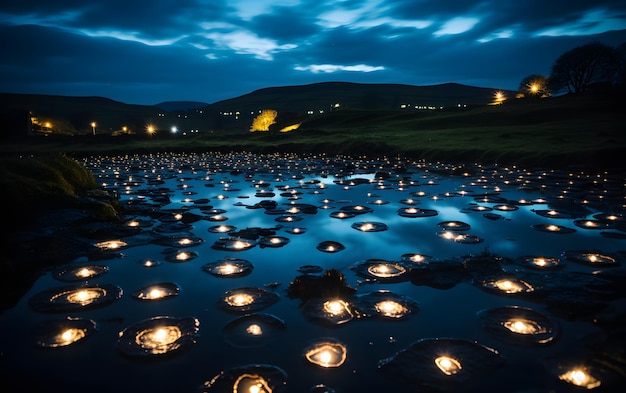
{"x":575,"y":70}
{"x":264,"y":120}
{"x":535,"y":86}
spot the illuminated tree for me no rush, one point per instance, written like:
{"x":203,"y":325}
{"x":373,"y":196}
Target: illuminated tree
{"x":533,"y":86}
{"x":575,"y":70}
{"x":264,"y":120}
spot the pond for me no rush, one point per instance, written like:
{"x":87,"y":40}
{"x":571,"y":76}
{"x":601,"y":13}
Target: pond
{"x":275,"y":273}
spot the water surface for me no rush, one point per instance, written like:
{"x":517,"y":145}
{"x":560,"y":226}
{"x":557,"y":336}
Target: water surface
{"x":460,"y":249}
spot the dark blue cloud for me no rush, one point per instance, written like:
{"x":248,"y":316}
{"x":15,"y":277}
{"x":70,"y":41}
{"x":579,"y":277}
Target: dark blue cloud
{"x":151,"y":51}
{"x":285,"y":24}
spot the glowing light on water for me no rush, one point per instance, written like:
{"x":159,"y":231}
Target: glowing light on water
{"x":370,"y":226}
{"x":448,"y":365}
{"x":247,"y":299}
{"x":553,"y":228}
{"x":149,"y":263}
{"x":222,"y":229}
{"x":326,"y":353}
{"x":253,"y":378}
{"x":233,"y":244}
{"x":580,"y":377}
{"x":110,"y":245}
{"x":413,"y":212}
{"x":181,"y":256}
{"x":157,"y":291}
{"x":386,"y":305}
{"x":80,"y":273}
{"x":251,"y":383}
{"x":273,"y":241}
{"x":391,"y":309}
{"x":296,"y":230}
{"x":253,"y":330}
{"x":158,"y":339}
{"x":229,"y":267}
{"x":386,"y":270}
{"x":239,"y":299}
{"x":82,"y":297}
{"x":336,"y":308}
{"x":454,"y":225}
{"x":591,"y":258}
{"x":158,"y":336}
{"x":61,"y":333}
{"x":539,"y":262}
{"x":330,"y":246}
{"x":507,"y":285}
{"x":522,"y":326}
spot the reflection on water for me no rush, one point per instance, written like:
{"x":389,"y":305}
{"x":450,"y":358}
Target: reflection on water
{"x":417,"y":276}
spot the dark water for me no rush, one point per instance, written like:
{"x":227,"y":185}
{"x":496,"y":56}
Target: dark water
{"x":461,"y":252}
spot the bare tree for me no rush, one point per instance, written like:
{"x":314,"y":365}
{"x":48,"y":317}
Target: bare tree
{"x":575,"y":70}
{"x":535,"y":86}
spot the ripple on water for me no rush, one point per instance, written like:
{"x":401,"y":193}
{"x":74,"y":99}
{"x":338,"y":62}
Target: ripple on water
{"x":262,"y":378}
{"x":520,"y":325}
{"x":253,"y":330}
{"x":539,"y":262}
{"x":75,"y":298}
{"x":158,"y":336}
{"x":78,"y":273}
{"x":381,"y":270}
{"x":386,"y":305}
{"x":330,"y":246}
{"x":247,"y":299}
{"x":159,"y":291}
{"x":229,"y":267}
{"x":442,"y":363}
{"x":63,"y":332}
{"x":370,"y":226}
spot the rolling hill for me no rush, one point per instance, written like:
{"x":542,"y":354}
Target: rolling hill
{"x":296,"y":103}
{"x":322,"y":96}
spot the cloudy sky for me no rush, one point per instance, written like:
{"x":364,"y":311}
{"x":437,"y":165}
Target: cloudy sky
{"x":149,"y":51}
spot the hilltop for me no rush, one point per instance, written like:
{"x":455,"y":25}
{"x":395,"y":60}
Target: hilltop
{"x":74,"y":115}
{"x":325,"y":95}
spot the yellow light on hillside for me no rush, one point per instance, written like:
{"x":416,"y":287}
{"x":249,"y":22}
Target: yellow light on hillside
{"x":290,"y":128}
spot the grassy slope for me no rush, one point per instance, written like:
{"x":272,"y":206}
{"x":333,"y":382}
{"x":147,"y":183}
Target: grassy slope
{"x":587,"y":130}
{"x":571,"y":130}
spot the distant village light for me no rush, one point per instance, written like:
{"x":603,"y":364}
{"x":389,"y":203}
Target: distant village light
{"x":93,"y":127}
{"x":174,"y":130}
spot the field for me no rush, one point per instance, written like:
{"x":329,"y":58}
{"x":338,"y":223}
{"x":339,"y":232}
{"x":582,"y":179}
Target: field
{"x":561,"y":131}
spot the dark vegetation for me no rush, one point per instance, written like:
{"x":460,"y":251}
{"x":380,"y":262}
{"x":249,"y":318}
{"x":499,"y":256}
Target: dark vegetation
{"x":49,"y":199}
{"x":582,"y":130}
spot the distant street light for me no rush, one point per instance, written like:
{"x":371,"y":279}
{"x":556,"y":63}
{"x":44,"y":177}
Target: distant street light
{"x":150,"y":130}
{"x":93,"y":127}
{"x":499,"y":98}
{"x":174,"y":129}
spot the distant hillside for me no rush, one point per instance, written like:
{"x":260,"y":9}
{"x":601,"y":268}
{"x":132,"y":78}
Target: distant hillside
{"x":77,"y":113}
{"x":323,"y":96}
{"x":294,"y":104}
{"x":170,"y":106}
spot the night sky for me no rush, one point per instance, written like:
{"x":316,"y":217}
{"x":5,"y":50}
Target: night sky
{"x":150,"y":51}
